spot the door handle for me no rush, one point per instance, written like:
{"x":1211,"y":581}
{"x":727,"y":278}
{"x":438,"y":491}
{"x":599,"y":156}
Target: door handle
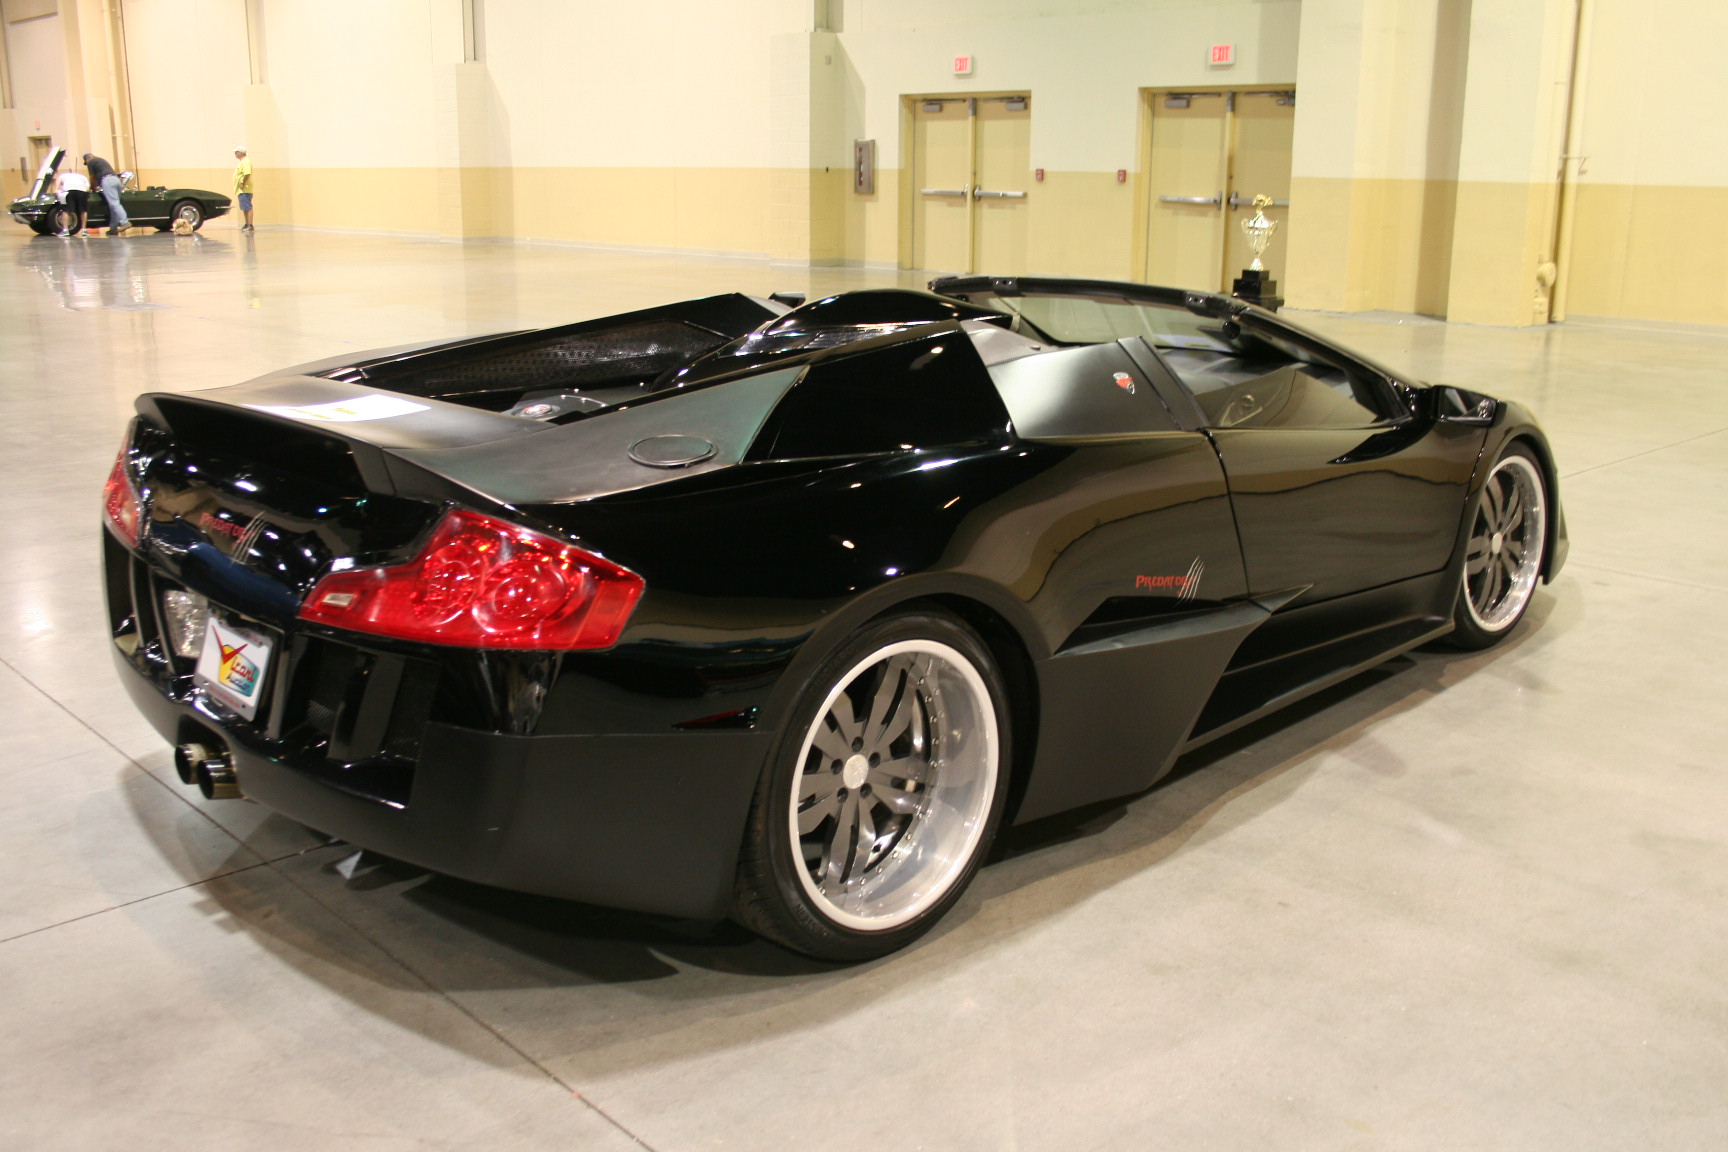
{"x":1237,"y":200}
{"x":1212,"y":200}
{"x":943,"y":191}
{"x":1005,"y":195}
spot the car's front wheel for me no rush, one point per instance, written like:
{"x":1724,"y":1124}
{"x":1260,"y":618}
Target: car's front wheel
{"x":884,"y":792}
{"x":1504,"y":551}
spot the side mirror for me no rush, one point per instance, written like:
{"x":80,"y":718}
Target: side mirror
{"x":1458,"y":406}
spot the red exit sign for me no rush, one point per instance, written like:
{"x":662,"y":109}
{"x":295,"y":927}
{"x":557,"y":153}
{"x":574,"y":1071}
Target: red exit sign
{"x":1222,"y":54}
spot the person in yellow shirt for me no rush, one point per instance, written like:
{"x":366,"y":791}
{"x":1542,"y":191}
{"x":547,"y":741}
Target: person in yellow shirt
{"x":243,"y":186}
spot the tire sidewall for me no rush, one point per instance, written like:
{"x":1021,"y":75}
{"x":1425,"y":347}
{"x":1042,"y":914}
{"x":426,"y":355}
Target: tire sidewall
{"x":770,"y":829}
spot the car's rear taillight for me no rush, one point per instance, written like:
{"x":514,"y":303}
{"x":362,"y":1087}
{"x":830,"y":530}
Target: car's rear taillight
{"x":482,"y":583}
{"x":120,"y":502}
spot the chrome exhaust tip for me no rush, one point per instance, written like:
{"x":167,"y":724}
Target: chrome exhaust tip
{"x":211,"y":770}
{"x":187,"y":757}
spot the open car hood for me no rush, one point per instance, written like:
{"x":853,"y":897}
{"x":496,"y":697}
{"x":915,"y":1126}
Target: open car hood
{"x":46,"y":173}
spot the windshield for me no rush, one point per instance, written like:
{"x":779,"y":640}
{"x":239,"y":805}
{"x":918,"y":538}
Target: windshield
{"x":1067,"y":319}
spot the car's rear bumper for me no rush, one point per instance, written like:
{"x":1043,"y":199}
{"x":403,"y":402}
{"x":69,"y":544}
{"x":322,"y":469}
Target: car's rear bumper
{"x":646,"y":822}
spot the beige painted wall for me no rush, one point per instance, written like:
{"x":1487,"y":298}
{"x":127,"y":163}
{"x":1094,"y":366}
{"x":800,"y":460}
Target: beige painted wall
{"x":1427,"y":132}
{"x":1380,"y":92}
{"x":1655,"y":175}
{"x":668,"y":123}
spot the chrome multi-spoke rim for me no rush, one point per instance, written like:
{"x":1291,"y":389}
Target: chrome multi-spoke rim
{"x":189,"y":213}
{"x":895,"y":781}
{"x":1504,"y":558}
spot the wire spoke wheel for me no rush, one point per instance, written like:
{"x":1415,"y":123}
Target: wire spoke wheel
{"x":1503,"y":556}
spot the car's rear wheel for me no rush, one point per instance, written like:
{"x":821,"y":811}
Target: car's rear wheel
{"x":883,"y":794}
{"x":1503,"y":553}
{"x":63,"y":219}
{"x":190,"y":212}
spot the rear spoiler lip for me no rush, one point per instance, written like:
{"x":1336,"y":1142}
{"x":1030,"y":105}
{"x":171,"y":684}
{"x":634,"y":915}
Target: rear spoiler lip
{"x":437,"y":424}
{"x":440,"y":451}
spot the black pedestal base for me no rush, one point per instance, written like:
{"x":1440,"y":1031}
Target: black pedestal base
{"x":1254,"y":287}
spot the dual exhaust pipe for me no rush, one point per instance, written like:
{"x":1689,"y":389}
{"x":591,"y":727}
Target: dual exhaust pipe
{"x":211,"y":769}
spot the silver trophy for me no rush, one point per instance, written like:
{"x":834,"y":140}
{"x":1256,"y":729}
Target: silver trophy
{"x":1259,"y":230}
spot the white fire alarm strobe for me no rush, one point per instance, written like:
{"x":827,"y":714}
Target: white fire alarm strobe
{"x":1221,"y":55}
{"x":962,"y":65}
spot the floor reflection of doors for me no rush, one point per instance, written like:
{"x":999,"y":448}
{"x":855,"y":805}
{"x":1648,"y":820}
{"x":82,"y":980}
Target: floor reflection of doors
{"x":971,"y":159}
{"x":1211,"y":154}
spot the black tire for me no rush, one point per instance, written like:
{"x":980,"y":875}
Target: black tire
{"x":188,"y":210}
{"x":852,"y":858}
{"x":43,"y":229}
{"x":1503,"y":553}
{"x":63,"y":219}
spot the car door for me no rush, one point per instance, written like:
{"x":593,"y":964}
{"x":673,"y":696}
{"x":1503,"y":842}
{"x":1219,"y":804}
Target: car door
{"x":1339,"y":481}
{"x":146,"y":207}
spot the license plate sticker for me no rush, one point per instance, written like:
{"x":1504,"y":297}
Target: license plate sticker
{"x":232,"y":666}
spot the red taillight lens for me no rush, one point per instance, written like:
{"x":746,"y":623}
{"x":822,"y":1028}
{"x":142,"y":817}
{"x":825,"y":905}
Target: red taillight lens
{"x":121,"y":504}
{"x":482,"y":583}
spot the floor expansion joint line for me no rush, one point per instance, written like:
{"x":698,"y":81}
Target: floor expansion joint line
{"x":132,"y":760}
{"x":1570,"y":563}
{"x":460,"y":1007}
{"x":1646,"y":452}
{"x":129,"y":903}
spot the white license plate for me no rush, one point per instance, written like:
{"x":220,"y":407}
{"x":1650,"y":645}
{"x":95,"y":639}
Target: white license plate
{"x":232,"y":666}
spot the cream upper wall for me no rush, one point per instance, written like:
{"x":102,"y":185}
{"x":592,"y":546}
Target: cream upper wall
{"x":672,"y":83}
{"x":1515,"y":100}
{"x":1084,"y":71}
{"x":879,"y":15}
{"x":1381,"y":86}
{"x":661,"y":83}
{"x":195,"y":118}
{"x":1655,"y":93}
{"x":353,"y":81}
{"x":38,"y":75}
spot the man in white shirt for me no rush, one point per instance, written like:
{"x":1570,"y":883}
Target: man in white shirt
{"x":72,"y":188}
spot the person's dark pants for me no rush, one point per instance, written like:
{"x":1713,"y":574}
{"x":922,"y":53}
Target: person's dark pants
{"x":78,"y":201}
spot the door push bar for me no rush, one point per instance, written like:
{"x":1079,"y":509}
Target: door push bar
{"x":1005,"y":195}
{"x":944,"y":191}
{"x":1237,"y":200}
{"x":1212,"y":200}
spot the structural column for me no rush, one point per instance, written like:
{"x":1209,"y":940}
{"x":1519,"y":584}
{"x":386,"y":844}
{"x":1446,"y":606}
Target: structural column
{"x":1508,"y":162}
{"x":1374,"y":160}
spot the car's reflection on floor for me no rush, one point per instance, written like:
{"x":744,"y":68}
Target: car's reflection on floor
{"x":88,"y":271}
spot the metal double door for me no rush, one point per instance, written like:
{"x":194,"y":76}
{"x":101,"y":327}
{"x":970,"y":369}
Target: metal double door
{"x":971,"y":174}
{"x":1212,"y":154}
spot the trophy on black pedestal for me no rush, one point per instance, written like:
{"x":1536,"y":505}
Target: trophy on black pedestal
{"x":1253,"y":285}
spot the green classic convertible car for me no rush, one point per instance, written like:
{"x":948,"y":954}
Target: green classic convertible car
{"x":156,"y":207}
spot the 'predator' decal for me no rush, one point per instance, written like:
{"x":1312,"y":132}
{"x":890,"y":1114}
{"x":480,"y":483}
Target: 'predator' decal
{"x":1187,"y":585}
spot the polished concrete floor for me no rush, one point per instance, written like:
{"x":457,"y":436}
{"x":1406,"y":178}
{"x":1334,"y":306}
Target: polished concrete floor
{"x":1463,"y":902}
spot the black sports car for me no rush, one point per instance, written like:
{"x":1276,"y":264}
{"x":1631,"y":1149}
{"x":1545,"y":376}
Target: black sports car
{"x":154,"y":207}
{"x":734,"y":608}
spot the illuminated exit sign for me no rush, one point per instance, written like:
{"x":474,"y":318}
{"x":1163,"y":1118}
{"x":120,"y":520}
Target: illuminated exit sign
{"x":1222,"y":55}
